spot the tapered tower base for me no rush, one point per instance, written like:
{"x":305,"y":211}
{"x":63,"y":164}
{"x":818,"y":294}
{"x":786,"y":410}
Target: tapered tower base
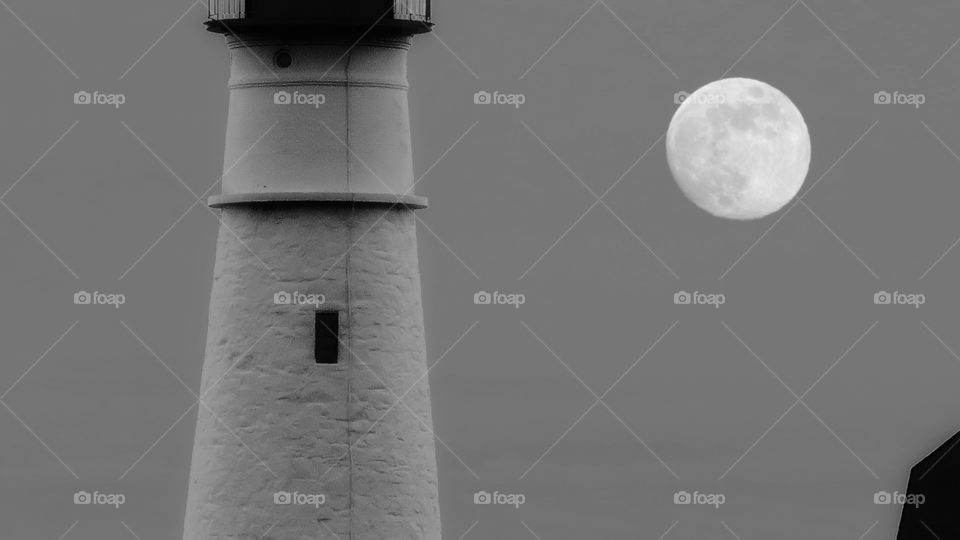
{"x":276,"y":426}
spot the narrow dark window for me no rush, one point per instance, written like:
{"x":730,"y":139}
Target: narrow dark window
{"x":327,"y":337}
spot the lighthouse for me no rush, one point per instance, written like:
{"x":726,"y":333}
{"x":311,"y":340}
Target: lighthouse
{"x":314,"y":418}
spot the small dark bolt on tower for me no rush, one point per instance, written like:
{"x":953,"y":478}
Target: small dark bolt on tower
{"x":316,"y":323}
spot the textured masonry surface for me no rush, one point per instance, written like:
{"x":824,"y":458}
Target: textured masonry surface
{"x":320,"y":429}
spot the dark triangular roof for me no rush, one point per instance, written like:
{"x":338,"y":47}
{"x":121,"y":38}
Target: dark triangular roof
{"x":935,"y":485}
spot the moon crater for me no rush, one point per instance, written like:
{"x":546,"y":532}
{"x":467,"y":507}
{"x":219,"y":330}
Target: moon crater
{"x":738,"y":149}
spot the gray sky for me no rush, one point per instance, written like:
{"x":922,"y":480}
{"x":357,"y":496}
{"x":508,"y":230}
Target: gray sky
{"x":882,"y":215}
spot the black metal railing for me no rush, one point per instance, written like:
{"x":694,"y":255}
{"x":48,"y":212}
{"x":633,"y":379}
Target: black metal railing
{"x":403,"y":10}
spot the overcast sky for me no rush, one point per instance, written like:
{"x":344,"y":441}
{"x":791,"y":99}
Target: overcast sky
{"x":705,"y":409}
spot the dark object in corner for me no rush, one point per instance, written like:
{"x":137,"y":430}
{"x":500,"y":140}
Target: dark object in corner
{"x":933,"y":496}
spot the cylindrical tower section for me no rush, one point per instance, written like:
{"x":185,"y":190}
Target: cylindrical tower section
{"x":316,"y":324}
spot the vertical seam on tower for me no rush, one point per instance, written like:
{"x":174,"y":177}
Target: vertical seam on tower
{"x":350,"y":221}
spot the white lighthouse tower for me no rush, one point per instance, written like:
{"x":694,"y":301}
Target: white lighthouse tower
{"x":316,"y":323}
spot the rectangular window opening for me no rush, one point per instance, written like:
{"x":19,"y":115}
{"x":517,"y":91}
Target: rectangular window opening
{"x":327,"y":337}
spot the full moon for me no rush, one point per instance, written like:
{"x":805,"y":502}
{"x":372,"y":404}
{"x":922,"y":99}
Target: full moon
{"x":738,"y":149}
